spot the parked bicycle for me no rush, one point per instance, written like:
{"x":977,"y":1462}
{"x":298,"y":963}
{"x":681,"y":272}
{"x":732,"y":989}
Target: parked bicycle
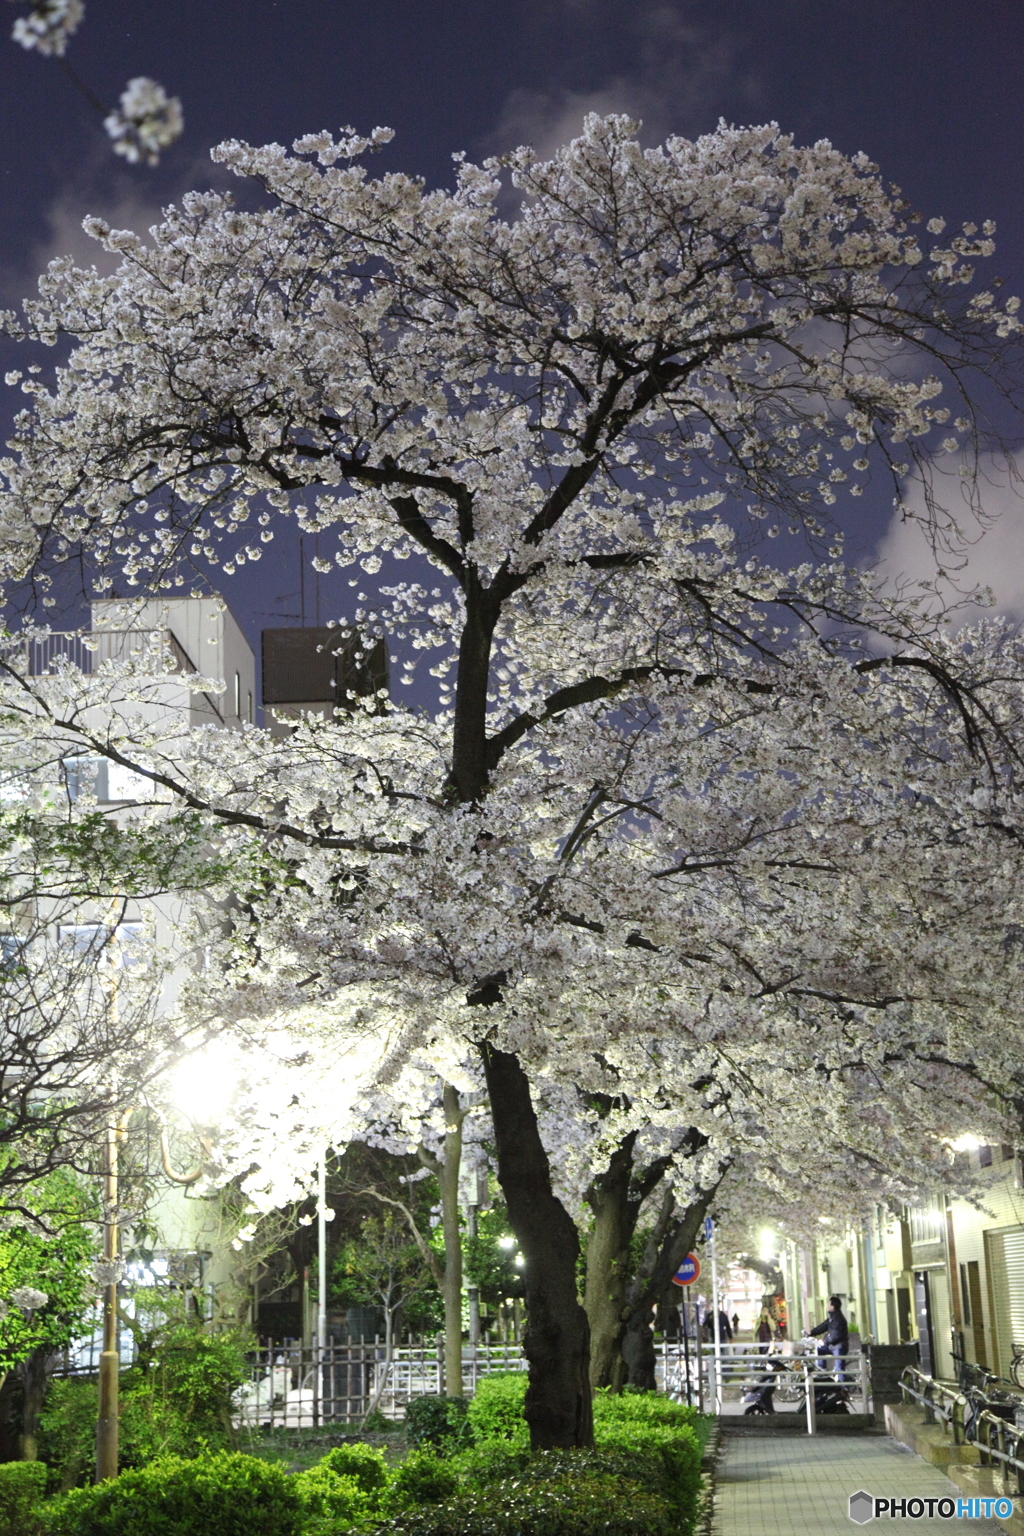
{"x":1016,"y":1367}
{"x":985,"y":1392}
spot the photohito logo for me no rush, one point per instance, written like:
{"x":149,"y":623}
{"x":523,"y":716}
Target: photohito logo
{"x":865,"y":1507}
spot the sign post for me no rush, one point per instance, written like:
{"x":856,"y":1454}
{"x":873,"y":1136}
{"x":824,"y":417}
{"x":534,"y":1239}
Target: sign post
{"x":709,"y":1234}
{"x":688,"y":1271}
{"x":685,"y":1275}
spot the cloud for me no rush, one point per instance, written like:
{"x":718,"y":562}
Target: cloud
{"x":987,"y":549}
{"x":122,"y":199}
{"x":677,"y":72}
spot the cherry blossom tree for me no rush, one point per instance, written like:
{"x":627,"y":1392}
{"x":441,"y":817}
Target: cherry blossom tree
{"x":147,"y":119}
{"x":668,"y":797}
{"x":81,"y":1032}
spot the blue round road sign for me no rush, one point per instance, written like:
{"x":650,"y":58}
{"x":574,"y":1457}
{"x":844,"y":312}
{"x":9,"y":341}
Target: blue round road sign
{"x":688,"y":1271}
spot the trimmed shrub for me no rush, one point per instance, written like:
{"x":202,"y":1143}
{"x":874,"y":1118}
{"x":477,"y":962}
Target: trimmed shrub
{"x":641,"y":1408}
{"x":67,"y":1432}
{"x":496,"y":1412}
{"x":438,"y":1420}
{"x":179,"y":1407}
{"x":672,"y":1460}
{"x":220,"y":1495}
{"x":330,"y":1501}
{"x":364,"y":1463}
{"x":22,"y":1490}
{"x":669,"y":1470}
{"x":564,"y":1505}
{"x":422,"y":1478}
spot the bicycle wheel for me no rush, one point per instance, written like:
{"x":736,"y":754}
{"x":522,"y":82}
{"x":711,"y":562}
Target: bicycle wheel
{"x":790,"y":1387}
{"x":1017,"y":1370}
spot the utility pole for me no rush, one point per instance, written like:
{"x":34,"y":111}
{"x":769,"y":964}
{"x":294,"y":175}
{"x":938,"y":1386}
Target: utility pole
{"x":709,"y":1228}
{"x":110,"y":1359}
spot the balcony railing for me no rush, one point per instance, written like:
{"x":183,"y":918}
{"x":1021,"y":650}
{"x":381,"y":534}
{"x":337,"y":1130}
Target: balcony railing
{"x":87,"y":652}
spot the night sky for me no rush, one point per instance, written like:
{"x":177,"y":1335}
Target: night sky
{"x":930,"y":89}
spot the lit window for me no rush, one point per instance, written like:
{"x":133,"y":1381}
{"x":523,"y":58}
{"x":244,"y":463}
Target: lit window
{"x":105,"y":780}
{"x":122,"y":947}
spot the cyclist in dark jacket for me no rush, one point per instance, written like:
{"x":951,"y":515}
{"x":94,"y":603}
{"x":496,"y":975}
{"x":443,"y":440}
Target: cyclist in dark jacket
{"x":837,"y":1336}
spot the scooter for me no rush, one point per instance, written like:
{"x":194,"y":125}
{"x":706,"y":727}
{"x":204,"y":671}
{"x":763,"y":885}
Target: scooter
{"x":760,"y":1398}
{"x":830,"y":1396}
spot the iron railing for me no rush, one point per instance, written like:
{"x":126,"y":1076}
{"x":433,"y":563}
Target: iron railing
{"x":1000,"y":1440}
{"x":690,"y":1372}
{"x":85,"y":652}
{"x":300,"y":1387}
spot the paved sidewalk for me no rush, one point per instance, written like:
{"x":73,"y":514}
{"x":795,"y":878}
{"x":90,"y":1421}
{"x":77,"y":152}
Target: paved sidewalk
{"x":799,"y":1485}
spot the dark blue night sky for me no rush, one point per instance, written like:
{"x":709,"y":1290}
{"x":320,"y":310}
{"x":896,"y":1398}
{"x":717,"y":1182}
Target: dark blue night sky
{"x":930,"y":89}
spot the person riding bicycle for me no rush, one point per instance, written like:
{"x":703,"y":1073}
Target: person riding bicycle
{"x":837,"y":1336}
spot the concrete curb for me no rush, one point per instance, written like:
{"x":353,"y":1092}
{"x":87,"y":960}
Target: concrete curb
{"x":709,"y":1471}
{"x":906,"y":1423}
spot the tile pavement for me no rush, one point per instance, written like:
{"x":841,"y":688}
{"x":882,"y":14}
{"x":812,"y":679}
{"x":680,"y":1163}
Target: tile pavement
{"x":796,"y":1485}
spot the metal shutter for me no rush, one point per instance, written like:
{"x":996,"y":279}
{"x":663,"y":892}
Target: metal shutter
{"x":1006,"y":1277}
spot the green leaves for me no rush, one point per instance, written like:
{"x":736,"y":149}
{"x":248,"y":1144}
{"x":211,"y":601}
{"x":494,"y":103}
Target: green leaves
{"x":55,"y":1258}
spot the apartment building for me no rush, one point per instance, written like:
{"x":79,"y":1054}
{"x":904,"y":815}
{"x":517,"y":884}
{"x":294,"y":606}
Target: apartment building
{"x":946,"y":1274}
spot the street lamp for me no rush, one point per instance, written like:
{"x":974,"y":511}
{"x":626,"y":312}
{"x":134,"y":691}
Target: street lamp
{"x":109,"y":1272}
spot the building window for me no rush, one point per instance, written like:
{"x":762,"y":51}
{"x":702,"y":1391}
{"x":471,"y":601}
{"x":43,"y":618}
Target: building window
{"x":238,"y":696}
{"x":105,"y":780}
{"x":926,"y":1224}
{"x":248,"y":709}
{"x":11,"y":947}
{"x":122,"y":946}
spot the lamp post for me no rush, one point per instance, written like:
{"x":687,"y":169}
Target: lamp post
{"x":110,"y":1273}
{"x":110,"y":1358}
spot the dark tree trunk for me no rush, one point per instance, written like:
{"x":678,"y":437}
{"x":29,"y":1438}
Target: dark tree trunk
{"x":669,"y":1243}
{"x":557,"y":1338}
{"x":35,"y":1374}
{"x":451,"y":1287}
{"x":616,"y":1198}
{"x":608,"y":1263}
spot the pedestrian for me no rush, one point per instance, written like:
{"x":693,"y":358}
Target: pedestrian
{"x":764,"y":1331}
{"x":735,"y":1324}
{"x":836,"y":1341}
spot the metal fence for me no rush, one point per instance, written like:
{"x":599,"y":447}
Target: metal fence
{"x":298,"y":1387}
{"x":295,"y":1386}
{"x":996,"y":1429}
{"x":689,"y":1372}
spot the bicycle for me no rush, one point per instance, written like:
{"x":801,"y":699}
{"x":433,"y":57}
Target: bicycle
{"x":790,"y":1387}
{"x":1016,"y":1367}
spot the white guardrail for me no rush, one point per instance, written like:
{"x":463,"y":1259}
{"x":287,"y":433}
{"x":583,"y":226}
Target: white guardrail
{"x":804,"y":1381}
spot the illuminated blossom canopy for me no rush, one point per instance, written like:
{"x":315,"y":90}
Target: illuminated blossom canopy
{"x":675,"y":828}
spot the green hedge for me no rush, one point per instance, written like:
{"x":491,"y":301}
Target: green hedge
{"x":330,"y":1501}
{"x":594,"y":1504}
{"x":22,"y":1489}
{"x":642,"y":1478}
{"x":496,"y":1412}
{"x":224,"y":1494}
{"x":438,"y":1420}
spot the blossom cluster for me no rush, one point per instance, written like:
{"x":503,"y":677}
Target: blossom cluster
{"x":48,"y":25}
{"x":147,"y":121}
